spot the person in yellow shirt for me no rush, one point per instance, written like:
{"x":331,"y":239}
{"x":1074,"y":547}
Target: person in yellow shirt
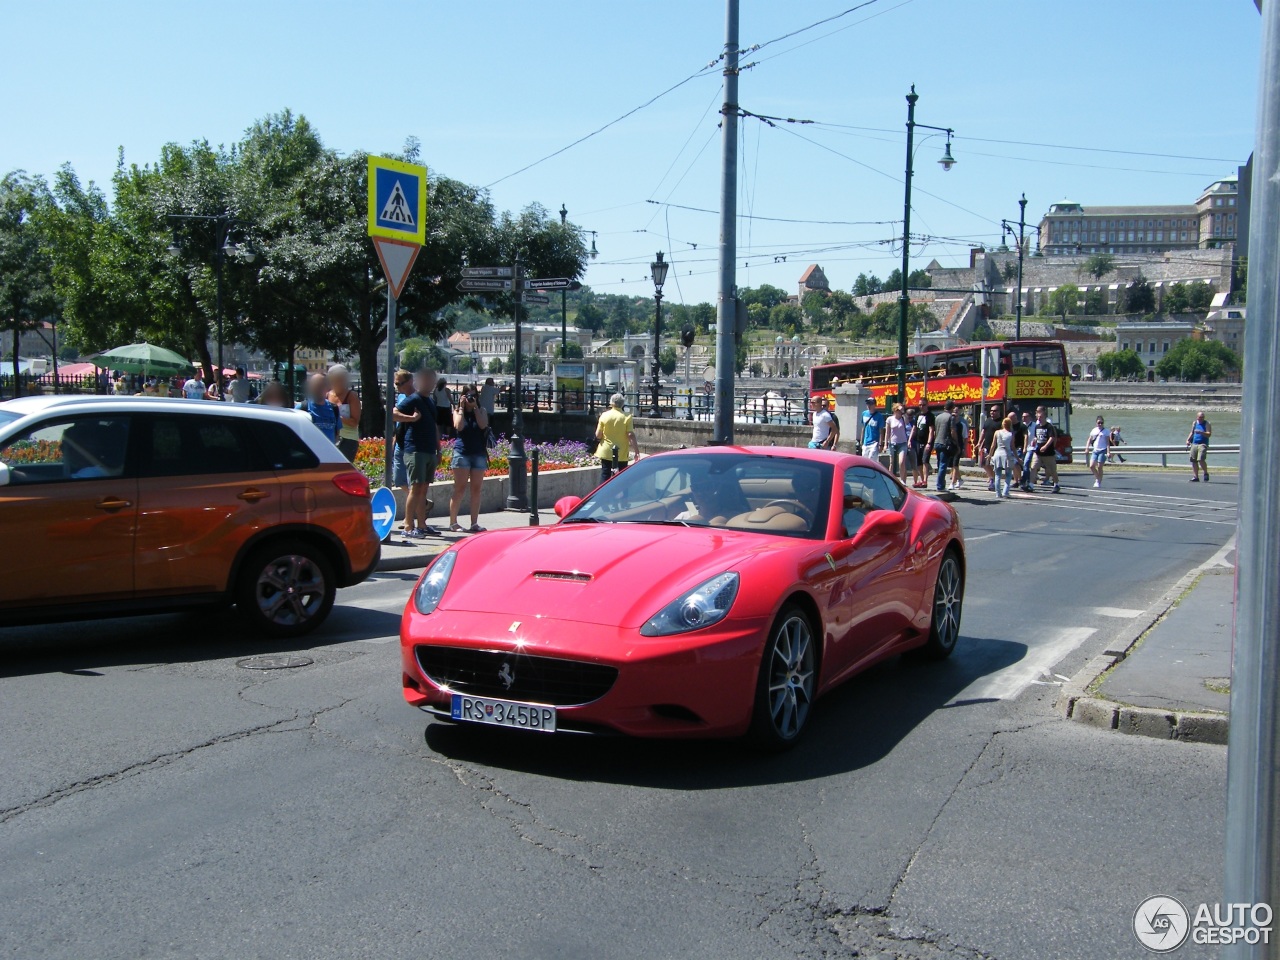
{"x":615,"y":432}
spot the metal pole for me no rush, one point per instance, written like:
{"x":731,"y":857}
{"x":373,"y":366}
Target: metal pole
{"x":533,"y":489}
{"x":657,"y":335}
{"x":688,"y":384}
{"x":517,"y":470}
{"x":904,"y":301}
{"x":1253,"y":745}
{"x":1022,"y":246}
{"x":726,"y":312}
{"x":564,"y":309}
{"x":389,"y":477}
{"x":217,"y":259}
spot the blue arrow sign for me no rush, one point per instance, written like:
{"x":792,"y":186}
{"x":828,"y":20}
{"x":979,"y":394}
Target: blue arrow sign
{"x":384,"y":512}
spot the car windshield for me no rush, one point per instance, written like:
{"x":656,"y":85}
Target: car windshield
{"x":776,"y":495}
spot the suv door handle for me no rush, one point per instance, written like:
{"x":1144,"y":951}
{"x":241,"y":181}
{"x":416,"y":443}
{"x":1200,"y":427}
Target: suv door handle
{"x":112,"y":503}
{"x":253,"y":495}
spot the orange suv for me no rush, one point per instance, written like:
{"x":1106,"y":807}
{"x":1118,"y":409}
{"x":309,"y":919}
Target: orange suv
{"x":125,"y":505}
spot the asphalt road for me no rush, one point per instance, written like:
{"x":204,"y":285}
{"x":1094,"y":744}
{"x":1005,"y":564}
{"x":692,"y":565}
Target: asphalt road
{"x":161,"y":800}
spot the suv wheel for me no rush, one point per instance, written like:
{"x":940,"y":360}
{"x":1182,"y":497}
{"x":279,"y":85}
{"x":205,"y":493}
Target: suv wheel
{"x":286,"y":588}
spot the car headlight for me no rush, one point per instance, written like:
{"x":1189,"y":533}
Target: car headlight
{"x":702,"y":606}
{"x":430,"y":589}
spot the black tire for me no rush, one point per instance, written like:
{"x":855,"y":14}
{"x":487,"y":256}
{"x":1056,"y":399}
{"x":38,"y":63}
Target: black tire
{"x":948,"y":605}
{"x":787,"y":682}
{"x":286,"y":588}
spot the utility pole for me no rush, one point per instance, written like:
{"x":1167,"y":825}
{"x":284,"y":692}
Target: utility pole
{"x":1253,"y":744}
{"x":904,"y":299}
{"x":1022,"y":250}
{"x":564,"y":309}
{"x":726,"y":299}
{"x":517,"y":469}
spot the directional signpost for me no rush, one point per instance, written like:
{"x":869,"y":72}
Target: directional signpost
{"x":490,"y":286}
{"x":398,"y":226}
{"x":536,"y":298}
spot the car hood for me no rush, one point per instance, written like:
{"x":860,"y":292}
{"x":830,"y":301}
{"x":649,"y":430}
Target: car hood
{"x":612,"y":574}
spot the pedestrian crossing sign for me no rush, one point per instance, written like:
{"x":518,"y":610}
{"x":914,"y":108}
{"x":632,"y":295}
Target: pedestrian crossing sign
{"x":397,"y":200}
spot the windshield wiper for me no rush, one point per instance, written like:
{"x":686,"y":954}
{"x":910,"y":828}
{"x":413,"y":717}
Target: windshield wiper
{"x":660,"y":523}
{"x":586,"y":520}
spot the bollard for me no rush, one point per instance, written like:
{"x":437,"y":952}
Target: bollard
{"x":533,"y":489}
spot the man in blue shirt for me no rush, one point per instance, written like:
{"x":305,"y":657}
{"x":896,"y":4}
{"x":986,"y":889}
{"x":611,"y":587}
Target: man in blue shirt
{"x":417,"y":412}
{"x":872,"y":430}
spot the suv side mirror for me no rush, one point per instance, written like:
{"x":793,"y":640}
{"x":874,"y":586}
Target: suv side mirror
{"x":4,"y":475}
{"x":566,"y":506}
{"x":881,"y":523}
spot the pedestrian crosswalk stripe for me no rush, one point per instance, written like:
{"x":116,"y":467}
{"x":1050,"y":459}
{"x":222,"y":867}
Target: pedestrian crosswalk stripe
{"x":397,"y":209}
{"x":1123,"y":613}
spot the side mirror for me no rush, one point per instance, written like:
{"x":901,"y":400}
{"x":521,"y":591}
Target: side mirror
{"x":566,"y":506}
{"x":881,"y":523}
{"x":4,"y":474}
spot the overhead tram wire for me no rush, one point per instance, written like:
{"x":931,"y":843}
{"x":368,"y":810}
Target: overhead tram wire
{"x":684,"y":146}
{"x":819,"y":223}
{"x":850,"y":26}
{"x":702,"y":72}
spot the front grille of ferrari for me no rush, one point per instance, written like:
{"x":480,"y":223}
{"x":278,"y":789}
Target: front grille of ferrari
{"x":512,"y":676}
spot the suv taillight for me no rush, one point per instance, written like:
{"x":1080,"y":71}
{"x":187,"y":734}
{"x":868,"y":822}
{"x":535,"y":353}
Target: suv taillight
{"x":354,"y":483}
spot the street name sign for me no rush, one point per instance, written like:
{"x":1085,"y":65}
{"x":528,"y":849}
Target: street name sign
{"x":397,"y":200}
{"x":552,"y":283}
{"x":489,"y":285}
{"x":536,"y":298}
{"x":487,"y":271}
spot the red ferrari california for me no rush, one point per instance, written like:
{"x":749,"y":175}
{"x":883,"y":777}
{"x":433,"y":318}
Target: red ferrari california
{"x":715,"y":592}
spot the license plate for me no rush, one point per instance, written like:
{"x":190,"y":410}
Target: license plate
{"x":503,"y":713}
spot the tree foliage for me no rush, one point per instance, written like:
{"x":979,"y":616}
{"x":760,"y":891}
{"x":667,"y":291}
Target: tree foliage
{"x":1099,"y":265}
{"x":1120,"y":363}
{"x":26,"y":270}
{"x":1194,"y":360}
{"x":1139,"y":297}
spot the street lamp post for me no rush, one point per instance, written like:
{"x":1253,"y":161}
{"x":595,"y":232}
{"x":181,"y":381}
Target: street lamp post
{"x":564,"y":303}
{"x":1007,"y":227}
{"x":659,"y":271}
{"x":223,"y":245}
{"x":904,"y":301}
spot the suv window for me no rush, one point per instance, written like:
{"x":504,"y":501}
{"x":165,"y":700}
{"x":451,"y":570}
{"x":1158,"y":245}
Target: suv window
{"x":284,"y":449}
{"x":197,"y":445}
{"x":866,"y":490}
{"x":78,"y":448}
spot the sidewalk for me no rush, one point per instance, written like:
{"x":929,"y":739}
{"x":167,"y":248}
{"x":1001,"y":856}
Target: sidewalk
{"x":399,"y":553}
{"x":1171,"y":680}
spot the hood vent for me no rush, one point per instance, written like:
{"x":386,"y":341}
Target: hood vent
{"x":572,"y":575}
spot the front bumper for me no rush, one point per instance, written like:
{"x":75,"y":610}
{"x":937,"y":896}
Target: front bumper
{"x":699,"y":684}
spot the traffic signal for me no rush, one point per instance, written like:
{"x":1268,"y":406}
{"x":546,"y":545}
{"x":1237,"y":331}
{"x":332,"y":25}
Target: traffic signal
{"x":687,"y":335}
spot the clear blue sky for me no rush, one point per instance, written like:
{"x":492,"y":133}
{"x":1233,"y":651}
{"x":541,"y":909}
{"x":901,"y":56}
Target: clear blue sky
{"x":489,"y":87}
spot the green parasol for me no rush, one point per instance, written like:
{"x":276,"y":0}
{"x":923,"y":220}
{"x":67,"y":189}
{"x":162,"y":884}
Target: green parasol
{"x":143,"y":358}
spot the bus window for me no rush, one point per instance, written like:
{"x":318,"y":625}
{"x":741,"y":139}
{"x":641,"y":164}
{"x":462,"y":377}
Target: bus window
{"x":1049,"y":360}
{"x":1022,"y":359}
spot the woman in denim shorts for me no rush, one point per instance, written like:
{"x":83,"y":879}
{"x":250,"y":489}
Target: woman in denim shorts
{"x":470,"y":458}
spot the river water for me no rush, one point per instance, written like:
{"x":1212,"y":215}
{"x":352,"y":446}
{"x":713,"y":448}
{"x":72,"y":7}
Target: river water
{"x":1151,"y":428}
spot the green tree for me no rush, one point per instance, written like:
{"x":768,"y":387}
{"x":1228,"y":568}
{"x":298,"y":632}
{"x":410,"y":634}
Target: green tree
{"x":1176,"y":300}
{"x":495,"y":365}
{"x":1199,"y":295}
{"x":1194,"y":360}
{"x":1120,"y":363}
{"x":667,"y":361}
{"x":814,"y":309}
{"x":842,"y":309}
{"x":1065,"y":300}
{"x":1095,"y":303}
{"x":785,"y":315}
{"x":26,"y":269}
{"x":572,"y":350}
{"x":756,"y":369}
{"x":740,"y":356}
{"x":882,"y":322}
{"x":765,"y":295}
{"x":1099,"y":265}
{"x":1242,"y":281}
{"x":1139,"y":297}
{"x":866,"y":286}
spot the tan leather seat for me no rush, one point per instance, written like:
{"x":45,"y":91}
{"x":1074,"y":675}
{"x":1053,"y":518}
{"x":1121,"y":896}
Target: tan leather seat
{"x":769,"y":518}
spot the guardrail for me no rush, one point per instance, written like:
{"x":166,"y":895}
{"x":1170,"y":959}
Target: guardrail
{"x":1163,"y":452}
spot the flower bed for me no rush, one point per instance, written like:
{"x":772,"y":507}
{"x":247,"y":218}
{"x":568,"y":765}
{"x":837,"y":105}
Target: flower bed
{"x":561,"y":455}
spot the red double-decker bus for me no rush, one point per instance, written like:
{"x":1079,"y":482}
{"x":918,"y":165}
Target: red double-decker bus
{"x":1020,"y":375}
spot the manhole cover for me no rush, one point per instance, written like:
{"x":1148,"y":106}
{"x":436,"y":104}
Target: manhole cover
{"x":275,"y":662}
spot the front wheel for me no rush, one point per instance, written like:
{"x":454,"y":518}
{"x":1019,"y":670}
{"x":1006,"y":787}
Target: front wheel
{"x":787,"y":681}
{"x":286,"y":589}
{"x":948,"y":603}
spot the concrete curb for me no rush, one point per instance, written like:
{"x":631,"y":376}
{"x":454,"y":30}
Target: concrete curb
{"x":1075,"y":703}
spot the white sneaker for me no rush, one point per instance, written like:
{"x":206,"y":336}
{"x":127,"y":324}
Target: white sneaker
{"x":1097,"y":484}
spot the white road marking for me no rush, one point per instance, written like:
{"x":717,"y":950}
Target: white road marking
{"x":378,"y":639}
{"x":1006,"y":684}
{"x":1049,"y":500}
{"x":986,"y":536}
{"x":1123,"y":613}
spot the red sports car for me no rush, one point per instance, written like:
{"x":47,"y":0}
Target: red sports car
{"x":701,"y":593}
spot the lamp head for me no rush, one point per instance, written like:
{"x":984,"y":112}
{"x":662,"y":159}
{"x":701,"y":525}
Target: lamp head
{"x":947,"y":161}
{"x":659,"y":269}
